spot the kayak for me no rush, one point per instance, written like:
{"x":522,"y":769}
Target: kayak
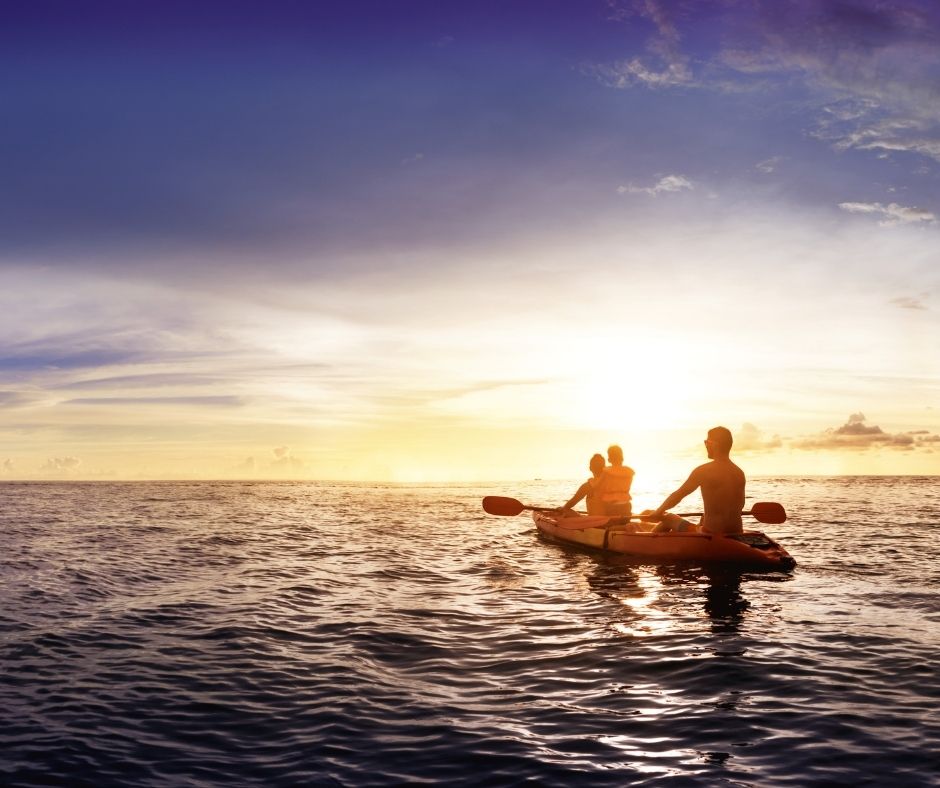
{"x":751,"y":548}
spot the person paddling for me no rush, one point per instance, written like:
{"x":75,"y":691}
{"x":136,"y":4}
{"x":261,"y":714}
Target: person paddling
{"x":722,"y":484}
{"x":613,"y":488}
{"x":586,"y":490}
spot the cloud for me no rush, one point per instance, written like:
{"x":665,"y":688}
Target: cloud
{"x":7,"y":465}
{"x":908,"y":302}
{"x":223,"y":401}
{"x":858,"y":435}
{"x":627,"y":73}
{"x":768,"y":166}
{"x":60,"y":464}
{"x":248,"y":467}
{"x":42,"y":358}
{"x":872,"y":68}
{"x":665,"y":64}
{"x":856,"y":426}
{"x":892,"y":214}
{"x":885,"y":136}
{"x":284,"y":462}
{"x":143,"y":381}
{"x":18,"y":399}
{"x":869,"y":68}
{"x":750,"y":439}
{"x":283,"y":465}
{"x":669,"y":183}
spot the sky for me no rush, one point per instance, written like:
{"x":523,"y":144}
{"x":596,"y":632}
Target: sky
{"x":451,"y":240}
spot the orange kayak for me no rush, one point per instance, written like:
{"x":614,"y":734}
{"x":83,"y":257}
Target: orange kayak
{"x":752,"y":548}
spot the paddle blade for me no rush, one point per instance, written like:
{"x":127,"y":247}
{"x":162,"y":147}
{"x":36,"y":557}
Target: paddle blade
{"x":505,"y":507}
{"x":769,"y":512}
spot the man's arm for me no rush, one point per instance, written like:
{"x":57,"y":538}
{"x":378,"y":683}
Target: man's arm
{"x":689,"y":486}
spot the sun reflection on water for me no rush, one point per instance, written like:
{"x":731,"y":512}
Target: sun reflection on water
{"x":642,"y":602}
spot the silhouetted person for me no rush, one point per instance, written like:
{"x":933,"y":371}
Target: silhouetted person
{"x":613,"y":488}
{"x":722,"y":484}
{"x":586,"y":490}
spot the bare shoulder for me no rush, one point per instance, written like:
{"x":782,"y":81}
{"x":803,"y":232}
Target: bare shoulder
{"x":718,"y":471}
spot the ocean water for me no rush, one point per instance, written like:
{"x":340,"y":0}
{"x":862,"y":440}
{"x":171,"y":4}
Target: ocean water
{"x":255,"y":634}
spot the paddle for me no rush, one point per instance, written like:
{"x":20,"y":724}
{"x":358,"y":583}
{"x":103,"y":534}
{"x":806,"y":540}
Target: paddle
{"x":764,"y":512}
{"x":768,"y":512}
{"x":510,"y":507}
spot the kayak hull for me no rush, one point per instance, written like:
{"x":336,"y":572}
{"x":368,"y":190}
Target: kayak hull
{"x":752,"y":548}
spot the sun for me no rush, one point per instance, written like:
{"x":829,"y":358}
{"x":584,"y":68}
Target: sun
{"x":635,"y":391}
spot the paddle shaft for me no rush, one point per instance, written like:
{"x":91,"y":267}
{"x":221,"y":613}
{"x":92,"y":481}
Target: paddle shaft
{"x":764,"y":512}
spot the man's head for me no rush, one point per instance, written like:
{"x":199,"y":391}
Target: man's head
{"x":597,"y":464}
{"x":718,"y":443}
{"x":615,"y":455}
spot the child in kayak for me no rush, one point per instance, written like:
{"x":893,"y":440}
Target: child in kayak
{"x":613,"y":488}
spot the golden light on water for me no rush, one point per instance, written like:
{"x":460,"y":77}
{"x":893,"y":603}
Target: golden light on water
{"x":645,"y":619}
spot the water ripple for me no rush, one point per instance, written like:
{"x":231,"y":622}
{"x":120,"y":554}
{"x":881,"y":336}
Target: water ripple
{"x":314,"y":634}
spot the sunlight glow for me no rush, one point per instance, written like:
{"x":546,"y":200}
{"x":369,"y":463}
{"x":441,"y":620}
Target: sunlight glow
{"x":622,"y":389}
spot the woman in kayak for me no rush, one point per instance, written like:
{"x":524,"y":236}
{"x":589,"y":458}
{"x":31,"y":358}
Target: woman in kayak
{"x":613,"y":488}
{"x":586,"y":490}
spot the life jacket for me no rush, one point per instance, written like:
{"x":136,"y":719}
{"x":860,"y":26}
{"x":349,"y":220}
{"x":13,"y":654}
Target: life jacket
{"x":614,"y":484}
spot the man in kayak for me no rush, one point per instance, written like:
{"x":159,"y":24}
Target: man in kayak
{"x":613,"y":488}
{"x":586,"y":490}
{"x":722,"y":484}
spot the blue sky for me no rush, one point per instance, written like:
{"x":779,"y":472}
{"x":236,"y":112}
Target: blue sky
{"x":232,"y":228}
{"x":270,"y":128}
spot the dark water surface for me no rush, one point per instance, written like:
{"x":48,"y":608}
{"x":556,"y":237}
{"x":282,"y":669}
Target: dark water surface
{"x":201,"y":634}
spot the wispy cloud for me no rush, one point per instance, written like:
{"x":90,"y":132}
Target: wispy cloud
{"x":768,"y":166}
{"x":869,"y":125}
{"x":223,"y":401}
{"x":18,"y":399}
{"x":148,"y":381}
{"x":285,"y":461}
{"x":626,"y":73}
{"x":668,"y":183}
{"x":61,"y":464}
{"x":870,"y":68}
{"x":247,"y":467}
{"x":664,"y":64}
{"x":908,"y":302}
{"x":891,"y":214}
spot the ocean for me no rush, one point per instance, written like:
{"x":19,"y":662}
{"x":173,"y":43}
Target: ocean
{"x":285,"y":634}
